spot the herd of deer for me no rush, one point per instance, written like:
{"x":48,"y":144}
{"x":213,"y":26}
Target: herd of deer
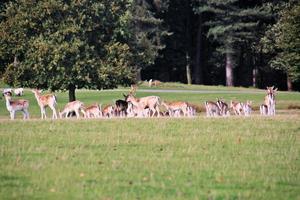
{"x":132,"y":106}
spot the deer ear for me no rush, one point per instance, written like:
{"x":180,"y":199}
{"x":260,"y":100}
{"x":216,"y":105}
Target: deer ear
{"x":275,"y":89}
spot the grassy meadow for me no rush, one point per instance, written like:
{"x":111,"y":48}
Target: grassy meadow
{"x":180,"y":158}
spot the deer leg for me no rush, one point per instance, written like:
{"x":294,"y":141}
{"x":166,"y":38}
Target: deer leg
{"x":12,"y":115}
{"x":54,"y":114}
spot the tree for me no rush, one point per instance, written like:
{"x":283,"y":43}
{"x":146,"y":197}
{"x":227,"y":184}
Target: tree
{"x":146,"y":31}
{"x":283,"y":42}
{"x":67,"y":44}
{"x":234,"y":24}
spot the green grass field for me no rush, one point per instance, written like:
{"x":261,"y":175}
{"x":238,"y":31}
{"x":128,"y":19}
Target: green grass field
{"x":193,"y":158}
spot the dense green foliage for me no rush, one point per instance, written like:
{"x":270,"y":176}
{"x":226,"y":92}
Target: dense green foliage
{"x":101,"y":44}
{"x":283,"y":41}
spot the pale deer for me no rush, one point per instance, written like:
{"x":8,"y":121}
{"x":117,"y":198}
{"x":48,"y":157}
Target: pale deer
{"x":175,"y":108}
{"x":237,"y":107}
{"x":16,"y":105}
{"x":44,"y":101}
{"x":247,"y":108}
{"x":19,"y":91}
{"x":93,"y":111}
{"x":270,"y":100}
{"x":212,"y":109}
{"x":151,"y":102}
{"x":73,"y":106}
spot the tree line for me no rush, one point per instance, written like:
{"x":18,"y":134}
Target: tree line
{"x":72,"y":44}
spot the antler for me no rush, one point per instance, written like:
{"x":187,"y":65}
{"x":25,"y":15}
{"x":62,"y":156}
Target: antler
{"x":133,"y":89}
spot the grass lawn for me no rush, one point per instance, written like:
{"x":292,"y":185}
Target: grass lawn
{"x":193,"y":158}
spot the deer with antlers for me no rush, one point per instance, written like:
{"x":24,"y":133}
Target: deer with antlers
{"x":44,"y":101}
{"x":268,"y":107}
{"x":16,"y":105}
{"x":151,"y":102}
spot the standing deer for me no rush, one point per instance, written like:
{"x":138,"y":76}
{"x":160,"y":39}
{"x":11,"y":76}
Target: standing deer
{"x":212,"y":109}
{"x":151,"y":102}
{"x":270,"y":101}
{"x":73,"y":106}
{"x":247,"y":108}
{"x":16,"y":105}
{"x":224,"y":108}
{"x":44,"y":101}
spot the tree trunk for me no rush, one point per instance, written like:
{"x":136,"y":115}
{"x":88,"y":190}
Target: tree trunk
{"x":254,"y":75}
{"x":289,"y":83}
{"x":229,"y":69}
{"x":188,"y":69}
{"x":188,"y":42}
{"x":138,"y":75}
{"x":72,"y":93}
{"x":198,"y":66}
{"x":16,"y":62}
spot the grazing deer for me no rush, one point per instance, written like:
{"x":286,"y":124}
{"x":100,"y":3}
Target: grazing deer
{"x":237,"y":107}
{"x":44,"y":101}
{"x":16,"y":105}
{"x":93,"y":111}
{"x":73,"y":106}
{"x":270,"y":100}
{"x":224,"y":108}
{"x":247,"y":108}
{"x":19,"y":91}
{"x":151,"y":102}
{"x":121,"y":108}
{"x":175,"y":108}
{"x":212,"y":109}
{"x":154,"y":83}
{"x":108,"y":111}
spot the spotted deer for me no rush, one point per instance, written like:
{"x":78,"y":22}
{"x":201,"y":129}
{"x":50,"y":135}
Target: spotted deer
{"x":93,"y":111}
{"x":175,"y":108}
{"x":73,"y":106}
{"x":14,"y":106}
{"x":44,"y":101}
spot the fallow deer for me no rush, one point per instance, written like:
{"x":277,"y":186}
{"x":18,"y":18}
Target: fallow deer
{"x":73,"y":106}
{"x":154,"y":82}
{"x":247,"y":108}
{"x":44,"y":101}
{"x":16,"y":105}
{"x":108,"y":111}
{"x":121,"y":108}
{"x":224,"y":108}
{"x":19,"y":91}
{"x":151,"y":102}
{"x":270,"y":100}
{"x":212,"y":109}
{"x":93,"y":111}
{"x":175,"y":108}
{"x":237,"y":107}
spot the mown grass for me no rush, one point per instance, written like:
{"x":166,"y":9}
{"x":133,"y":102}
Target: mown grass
{"x":198,"y":158}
